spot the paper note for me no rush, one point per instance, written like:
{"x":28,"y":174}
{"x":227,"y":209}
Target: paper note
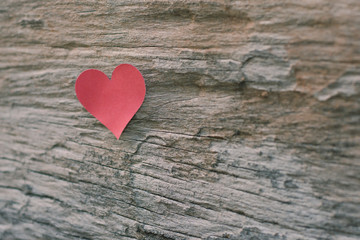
{"x":113,"y":102}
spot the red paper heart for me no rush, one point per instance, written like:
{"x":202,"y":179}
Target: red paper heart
{"x":113,"y":102}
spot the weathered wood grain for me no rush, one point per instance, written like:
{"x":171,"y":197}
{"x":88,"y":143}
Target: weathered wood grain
{"x":249,"y":130}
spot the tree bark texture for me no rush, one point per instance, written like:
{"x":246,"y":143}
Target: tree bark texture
{"x":249,"y":129}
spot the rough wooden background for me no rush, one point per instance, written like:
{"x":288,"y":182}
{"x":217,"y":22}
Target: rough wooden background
{"x":250,"y":128}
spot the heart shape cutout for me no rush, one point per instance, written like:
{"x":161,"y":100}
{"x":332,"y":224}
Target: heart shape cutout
{"x":113,"y":102}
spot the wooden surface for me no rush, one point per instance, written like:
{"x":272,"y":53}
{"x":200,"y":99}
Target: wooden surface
{"x":249,"y":129}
